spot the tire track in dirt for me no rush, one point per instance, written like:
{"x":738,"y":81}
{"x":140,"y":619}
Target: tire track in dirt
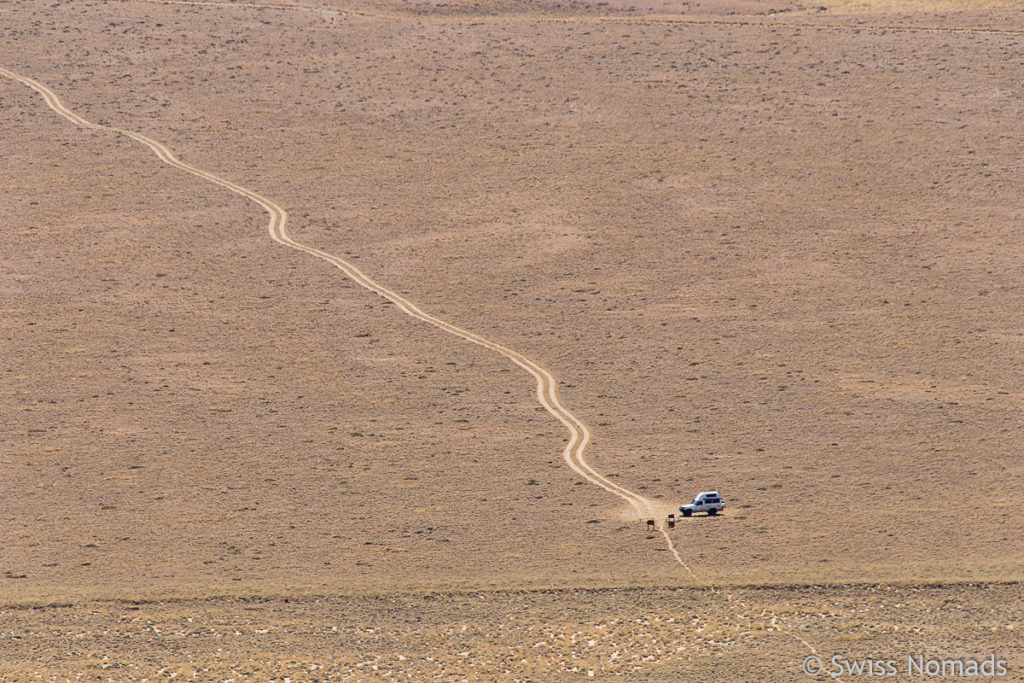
{"x":547,"y":393}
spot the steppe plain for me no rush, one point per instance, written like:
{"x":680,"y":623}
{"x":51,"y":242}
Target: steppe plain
{"x":771,"y":248}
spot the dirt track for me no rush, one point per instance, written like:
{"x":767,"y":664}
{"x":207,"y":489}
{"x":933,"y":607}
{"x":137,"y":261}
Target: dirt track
{"x":546,"y":385}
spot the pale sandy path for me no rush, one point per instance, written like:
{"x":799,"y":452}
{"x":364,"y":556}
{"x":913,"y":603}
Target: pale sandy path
{"x":547,"y":392}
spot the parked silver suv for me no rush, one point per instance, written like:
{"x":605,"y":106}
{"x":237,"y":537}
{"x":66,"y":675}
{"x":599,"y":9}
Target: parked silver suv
{"x":707,"y":501}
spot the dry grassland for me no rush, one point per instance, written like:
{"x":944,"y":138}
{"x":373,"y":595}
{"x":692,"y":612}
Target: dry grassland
{"x":764,"y":248}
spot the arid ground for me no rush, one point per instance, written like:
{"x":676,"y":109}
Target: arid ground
{"x":772,"y":248}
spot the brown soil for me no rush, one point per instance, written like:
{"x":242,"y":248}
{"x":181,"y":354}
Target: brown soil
{"x":770,"y":252}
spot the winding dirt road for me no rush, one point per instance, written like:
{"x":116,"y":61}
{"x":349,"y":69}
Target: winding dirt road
{"x":547,"y":393}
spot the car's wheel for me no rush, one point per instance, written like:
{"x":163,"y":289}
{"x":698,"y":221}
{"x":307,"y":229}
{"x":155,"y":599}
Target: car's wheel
{"x":712,"y":512}
{"x":687,"y":513}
